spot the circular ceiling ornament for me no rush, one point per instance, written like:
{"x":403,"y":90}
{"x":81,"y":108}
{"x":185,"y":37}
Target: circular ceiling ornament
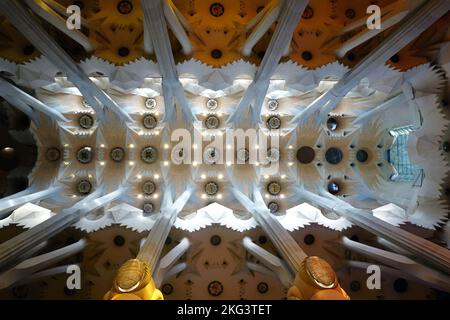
{"x":362,"y":156}
{"x":125,"y":7}
{"x":272,"y":105}
{"x":85,"y":155}
{"x":308,"y":13}
{"x":211,"y":188}
{"x":119,"y":240}
{"x":309,"y":239}
{"x":211,"y":155}
{"x":332,"y":124}
{"x":217,"y":9}
{"x":274,"y":207}
{"x":84,"y":187}
{"x":333,"y":188}
{"x":400,"y":285}
{"x":148,"y":208}
{"x":262,"y":287}
{"x":86,"y":121}
{"x":273,"y":155}
{"x":148,"y":188}
{"x":305,"y":155}
{"x":53,"y":154}
{"x":274,"y":123}
{"x":334,"y":156}
{"x":215,"y":240}
{"x":243,"y":155}
{"x":216,"y":54}
{"x":212,"y":122}
{"x":215,"y":288}
{"x":212,"y":104}
{"x":150,"y":103}
{"x":149,"y":121}
{"x":149,"y":154}
{"x":274,"y":188}
{"x":167,"y":289}
{"x":117,"y":154}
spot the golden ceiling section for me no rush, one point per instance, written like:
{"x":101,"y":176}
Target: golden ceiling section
{"x":218,"y":27}
{"x":218,"y":30}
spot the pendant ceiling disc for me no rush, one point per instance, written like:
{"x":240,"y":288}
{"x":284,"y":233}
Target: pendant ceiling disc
{"x":148,"y":187}
{"x":149,"y":155}
{"x":85,"y":155}
{"x":274,"y":188}
{"x":84,"y":187}
{"x":211,"y":188}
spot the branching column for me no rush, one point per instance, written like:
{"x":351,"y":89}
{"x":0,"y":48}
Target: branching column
{"x":425,"y":250}
{"x":24,"y":21}
{"x":413,"y":25}
{"x":12,"y":250}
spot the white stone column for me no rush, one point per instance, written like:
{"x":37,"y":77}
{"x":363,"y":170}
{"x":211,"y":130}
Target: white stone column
{"x":55,"y":14}
{"x":26,"y":103}
{"x":155,"y":21}
{"x":13,"y":249}
{"x":11,"y":203}
{"x":400,"y":262}
{"x":410,"y":28}
{"x":24,"y":21}
{"x":151,"y":249}
{"x":280,"y":237}
{"x":424,"y":250}
{"x":28,"y":269}
{"x":289,"y":16}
